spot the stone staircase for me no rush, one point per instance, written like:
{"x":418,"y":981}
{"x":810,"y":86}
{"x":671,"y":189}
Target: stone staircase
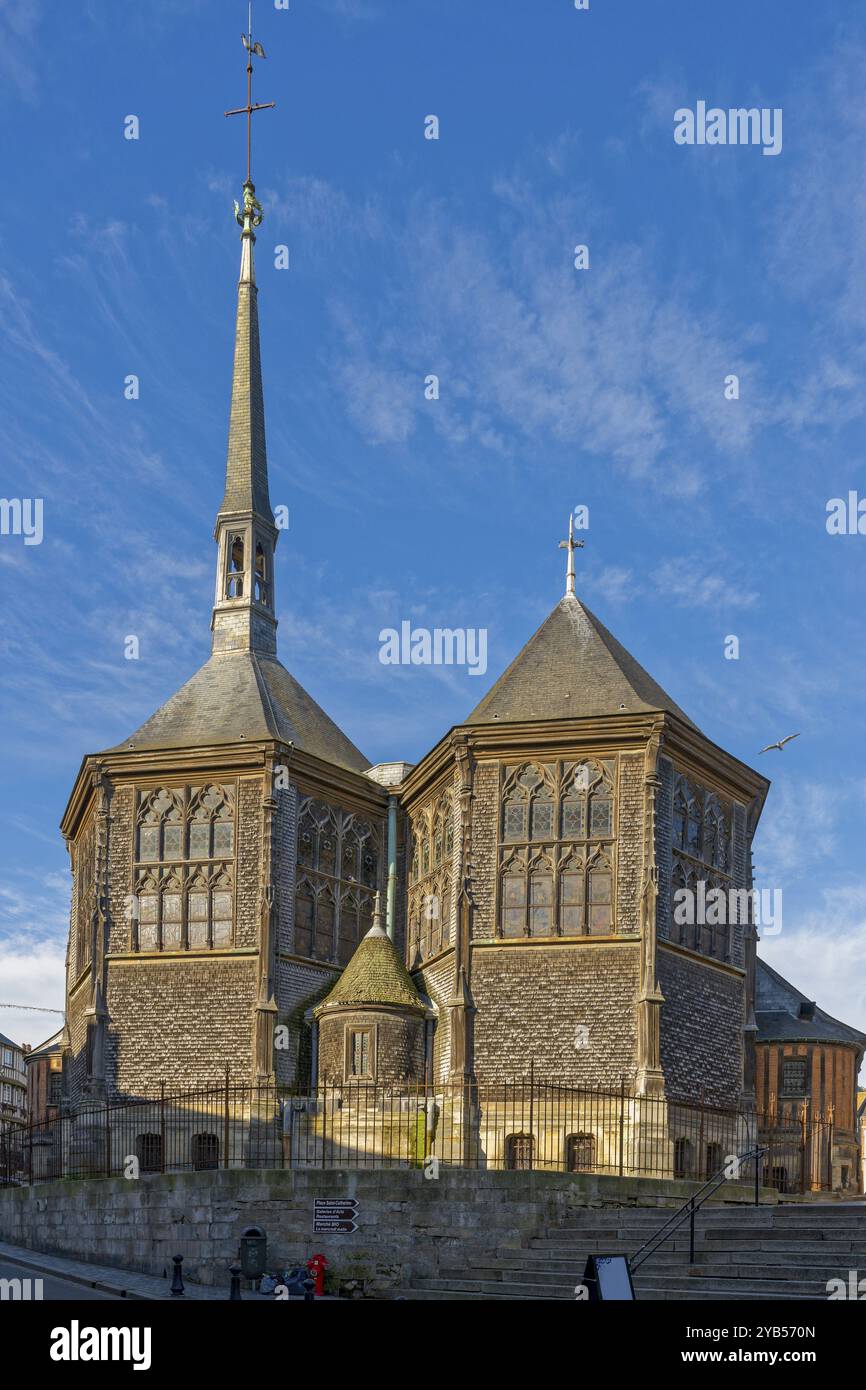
{"x":786,"y":1253}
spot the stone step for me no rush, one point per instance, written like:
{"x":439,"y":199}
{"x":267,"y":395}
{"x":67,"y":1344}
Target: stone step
{"x":825,"y":1253}
{"x":812,"y":1274}
{"x":693,"y":1289}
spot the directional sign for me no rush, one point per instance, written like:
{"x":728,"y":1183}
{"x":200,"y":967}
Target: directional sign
{"x":334,"y":1215}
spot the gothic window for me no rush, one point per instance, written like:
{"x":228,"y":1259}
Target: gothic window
{"x":432,"y":852}
{"x":235,"y":575}
{"x":262,"y":589}
{"x":541,"y":898}
{"x":172,"y":912}
{"x":184,"y":883}
{"x":680,"y":906}
{"x":701,"y":831}
{"x":349,"y":933}
{"x":323,"y":945}
{"x":513,"y":915}
{"x":569,"y":890}
{"x":85,"y":872}
{"x":572,"y":896}
{"x":305,"y":912}
{"x":600,"y":896}
{"x":338,"y":852}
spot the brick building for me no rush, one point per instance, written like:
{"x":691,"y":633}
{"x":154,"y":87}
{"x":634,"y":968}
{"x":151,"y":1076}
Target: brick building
{"x":226,"y":856}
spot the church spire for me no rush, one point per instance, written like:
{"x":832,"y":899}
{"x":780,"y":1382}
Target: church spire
{"x":244,"y":616}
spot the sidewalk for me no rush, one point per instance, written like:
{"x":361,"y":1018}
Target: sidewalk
{"x":122,"y":1282}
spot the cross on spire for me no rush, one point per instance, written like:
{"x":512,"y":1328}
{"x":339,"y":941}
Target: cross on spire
{"x":258,"y":50}
{"x":571,"y":545}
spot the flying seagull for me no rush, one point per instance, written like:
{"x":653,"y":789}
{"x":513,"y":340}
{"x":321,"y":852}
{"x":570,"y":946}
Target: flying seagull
{"x":780,"y":744}
{"x":256,"y":48}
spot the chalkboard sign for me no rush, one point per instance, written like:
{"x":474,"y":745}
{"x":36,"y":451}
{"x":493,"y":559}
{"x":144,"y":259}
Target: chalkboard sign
{"x":608,"y":1277}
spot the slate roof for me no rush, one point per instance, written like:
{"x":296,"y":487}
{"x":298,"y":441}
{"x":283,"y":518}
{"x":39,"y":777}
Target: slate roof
{"x":776,"y":1013}
{"x":245,"y":694}
{"x":572,"y":667}
{"x":375,"y":975}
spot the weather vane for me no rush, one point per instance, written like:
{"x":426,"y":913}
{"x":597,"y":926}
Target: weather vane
{"x":571,"y":545}
{"x":257,"y":49}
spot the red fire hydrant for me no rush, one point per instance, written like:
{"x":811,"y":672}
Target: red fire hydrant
{"x":316,"y":1270}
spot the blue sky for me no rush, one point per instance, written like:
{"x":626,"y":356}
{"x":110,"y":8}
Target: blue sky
{"x":558,"y":387}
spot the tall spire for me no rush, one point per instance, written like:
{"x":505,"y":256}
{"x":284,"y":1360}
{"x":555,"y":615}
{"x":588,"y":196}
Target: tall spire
{"x":244,"y":614}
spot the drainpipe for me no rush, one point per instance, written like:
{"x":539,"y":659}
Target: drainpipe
{"x":392,"y":866}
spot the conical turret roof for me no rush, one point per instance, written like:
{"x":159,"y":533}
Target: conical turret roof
{"x":375,"y":975}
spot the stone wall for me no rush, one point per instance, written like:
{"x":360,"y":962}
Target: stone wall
{"x":180,"y":1021}
{"x":531,"y":999}
{"x":701,"y":1029}
{"x":407,"y":1226}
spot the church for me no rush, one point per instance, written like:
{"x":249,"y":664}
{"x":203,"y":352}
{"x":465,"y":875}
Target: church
{"x":249,"y":892}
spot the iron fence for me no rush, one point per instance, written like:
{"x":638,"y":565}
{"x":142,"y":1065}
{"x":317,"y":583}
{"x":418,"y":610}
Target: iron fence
{"x":524,"y":1124}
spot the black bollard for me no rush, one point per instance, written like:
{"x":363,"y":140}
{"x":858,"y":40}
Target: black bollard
{"x":309,"y":1290}
{"x":177,"y":1277}
{"x":235,"y":1290}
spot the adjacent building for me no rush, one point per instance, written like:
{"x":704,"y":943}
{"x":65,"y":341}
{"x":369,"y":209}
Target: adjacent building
{"x":806,"y":1089}
{"x":13,"y":1080}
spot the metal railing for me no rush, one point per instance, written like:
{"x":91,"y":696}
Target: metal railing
{"x":522,"y":1124}
{"x":694,"y":1203}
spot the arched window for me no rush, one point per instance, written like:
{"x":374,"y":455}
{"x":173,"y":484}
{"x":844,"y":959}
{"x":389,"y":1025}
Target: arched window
{"x":323,"y":944}
{"x":430,"y":886}
{"x":541,"y":897}
{"x":600,"y":921}
{"x":572,"y":896}
{"x":304,"y":915}
{"x":262,"y":589}
{"x":514,"y":893}
{"x":348,"y":935}
{"x":681,"y":906}
{"x":714,"y":1160}
{"x":235,"y":567}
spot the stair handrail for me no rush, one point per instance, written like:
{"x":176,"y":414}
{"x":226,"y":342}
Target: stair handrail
{"x":693,"y":1204}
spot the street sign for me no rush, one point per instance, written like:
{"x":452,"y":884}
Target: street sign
{"x":334,"y":1215}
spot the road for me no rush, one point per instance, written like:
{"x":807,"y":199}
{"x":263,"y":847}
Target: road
{"x":55,"y":1289}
